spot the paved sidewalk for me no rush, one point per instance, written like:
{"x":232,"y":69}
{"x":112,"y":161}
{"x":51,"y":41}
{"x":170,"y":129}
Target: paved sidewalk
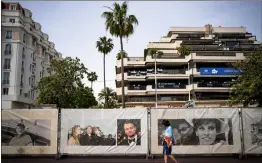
{"x":129,"y":160}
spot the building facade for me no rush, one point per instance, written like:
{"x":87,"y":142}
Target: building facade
{"x":204,"y":76}
{"x":26,"y":56}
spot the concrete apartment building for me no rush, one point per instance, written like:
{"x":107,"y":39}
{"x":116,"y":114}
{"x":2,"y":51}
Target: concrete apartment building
{"x":204,"y":75}
{"x":26,"y":55}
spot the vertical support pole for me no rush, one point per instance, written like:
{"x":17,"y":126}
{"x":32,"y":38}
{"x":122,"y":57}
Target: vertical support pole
{"x":155,"y":82}
{"x":241,"y":133}
{"x":58,"y":154}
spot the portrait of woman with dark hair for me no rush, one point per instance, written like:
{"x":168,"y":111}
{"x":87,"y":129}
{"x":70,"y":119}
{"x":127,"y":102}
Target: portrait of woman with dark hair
{"x":97,"y":135}
{"x":211,"y":131}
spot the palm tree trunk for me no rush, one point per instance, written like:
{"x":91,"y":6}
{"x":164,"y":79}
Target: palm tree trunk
{"x":122,"y":72}
{"x":104,"y":62}
{"x":92,"y":85}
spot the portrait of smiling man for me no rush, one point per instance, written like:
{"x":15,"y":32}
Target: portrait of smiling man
{"x":131,"y":134}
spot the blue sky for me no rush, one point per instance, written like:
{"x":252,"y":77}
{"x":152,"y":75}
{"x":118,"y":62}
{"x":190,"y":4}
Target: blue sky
{"x":75,"y":27}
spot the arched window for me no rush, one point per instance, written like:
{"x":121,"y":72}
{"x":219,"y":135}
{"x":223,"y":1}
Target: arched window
{"x":8,"y":49}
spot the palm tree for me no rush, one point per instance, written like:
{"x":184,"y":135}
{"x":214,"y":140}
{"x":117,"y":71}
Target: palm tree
{"x":184,"y":50}
{"x":118,"y":56}
{"x":92,"y":77}
{"x":109,"y":95}
{"x":104,"y":46}
{"x":121,"y":25}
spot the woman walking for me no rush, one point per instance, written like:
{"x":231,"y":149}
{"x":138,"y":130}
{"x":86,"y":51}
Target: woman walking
{"x":168,"y":141}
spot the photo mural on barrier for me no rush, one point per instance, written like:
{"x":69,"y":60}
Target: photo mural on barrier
{"x":128,"y":132}
{"x":208,"y":131}
{"x":198,"y":131}
{"x":103,"y":131}
{"x":252,"y":127}
{"x":26,"y":131}
{"x":256,"y":133}
{"x":91,"y":135}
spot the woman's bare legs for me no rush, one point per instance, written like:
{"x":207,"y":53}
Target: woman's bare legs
{"x":165,"y":158}
{"x":172,"y":158}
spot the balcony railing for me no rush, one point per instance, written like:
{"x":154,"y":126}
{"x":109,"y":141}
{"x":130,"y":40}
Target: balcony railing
{"x":22,"y":69}
{"x":222,"y":97}
{"x":137,"y":73}
{"x":224,"y":85}
{"x":23,"y":56}
{"x":7,"y":52}
{"x":170,"y":86}
{"x":181,"y":71}
{"x":216,"y":54}
{"x":137,"y":87}
{"x":6,"y":81}
{"x":152,"y":71}
{"x":135,"y":59}
{"x":152,"y":99}
{"x":7,"y":67}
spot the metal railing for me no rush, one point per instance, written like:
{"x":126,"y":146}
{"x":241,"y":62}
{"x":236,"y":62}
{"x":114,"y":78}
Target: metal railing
{"x":6,"y":82}
{"x":151,"y":99}
{"x":169,"y":86}
{"x":207,"y":84}
{"x":143,"y":87}
{"x":7,"y":67}
{"x":159,"y":71}
{"x":7,"y":52}
{"x":222,"y":97}
{"x":215,"y":54}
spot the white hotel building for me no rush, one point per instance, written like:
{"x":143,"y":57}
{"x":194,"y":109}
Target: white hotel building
{"x":203,"y":76}
{"x":26,"y":55}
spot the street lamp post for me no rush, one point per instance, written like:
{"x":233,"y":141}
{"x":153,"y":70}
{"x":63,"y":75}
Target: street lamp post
{"x":155,"y":82}
{"x":189,"y":92}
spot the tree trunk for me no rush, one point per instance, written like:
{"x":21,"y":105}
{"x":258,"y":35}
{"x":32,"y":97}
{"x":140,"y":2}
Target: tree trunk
{"x":91,"y":85}
{"x":104,"y":62}
{"x":122,"y":72}
{"x":245,"y":103}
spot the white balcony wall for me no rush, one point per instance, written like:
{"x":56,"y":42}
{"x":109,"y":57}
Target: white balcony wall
{"x":239,"y":56}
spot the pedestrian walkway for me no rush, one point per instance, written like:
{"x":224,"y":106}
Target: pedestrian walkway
{"x":129,"y":160}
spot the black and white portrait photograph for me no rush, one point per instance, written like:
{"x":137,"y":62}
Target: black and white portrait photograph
{"x":256,"y":133}
{"x":95,"y":133}
{"x":26,"y":132}
{"x":208,"y":131}
{"x":128,"y":132}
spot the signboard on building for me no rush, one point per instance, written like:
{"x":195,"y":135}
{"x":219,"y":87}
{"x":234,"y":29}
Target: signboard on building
{"x":219,"y":71}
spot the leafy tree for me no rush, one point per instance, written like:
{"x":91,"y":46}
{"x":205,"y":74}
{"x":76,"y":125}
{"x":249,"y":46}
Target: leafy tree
{"x":247,"y":88}
{"x":118,"y":56}
{"x":121,"y":25}
{"x":64,"y":86}
{"x":92,"y":77}
{"x":154,"y":52}
{"x":184,"y":50}
{"x":104,"y":46}
{"x":110,"y":95}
